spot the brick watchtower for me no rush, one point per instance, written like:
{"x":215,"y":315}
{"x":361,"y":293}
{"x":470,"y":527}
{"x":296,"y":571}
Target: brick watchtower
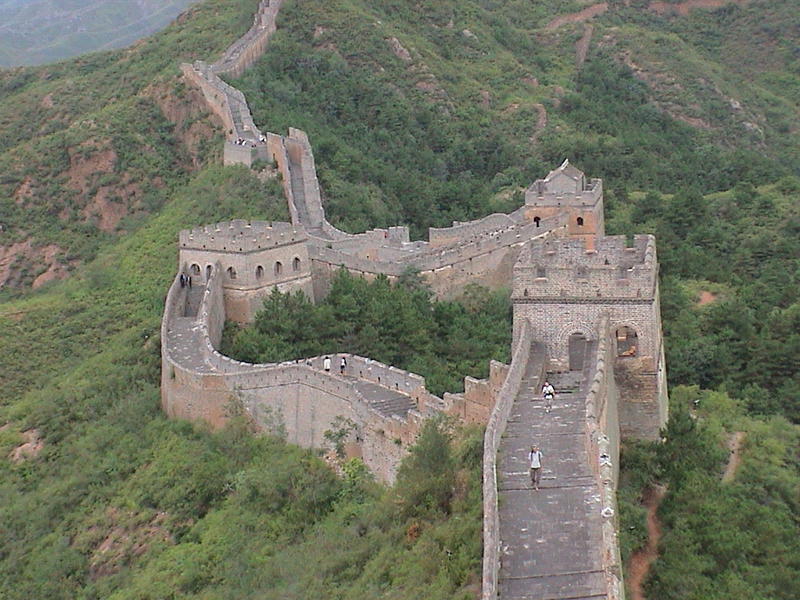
{"x":566,"y":190}
{"x":564,"y":287}
{"x":255,"y":257}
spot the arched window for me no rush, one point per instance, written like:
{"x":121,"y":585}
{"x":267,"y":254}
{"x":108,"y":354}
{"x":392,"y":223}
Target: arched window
{"x":627,"y":341}
{"x":231,"y":273}
{"x":537,"y":220}
{"x":580,"y":221}
{"x":208,"y":271}
{"x":259,"y":272}
{"x":278,"y":268}
{"x":195,"y":269}
{"x":296,"y":264}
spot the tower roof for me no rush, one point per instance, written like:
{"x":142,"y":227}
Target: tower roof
{"x":566,"y":169}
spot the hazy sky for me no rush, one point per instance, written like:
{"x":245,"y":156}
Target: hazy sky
{"x":39,"y":31}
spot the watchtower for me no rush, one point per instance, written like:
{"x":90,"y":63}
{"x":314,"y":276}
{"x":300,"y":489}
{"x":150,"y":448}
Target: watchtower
{"x":566,"y":190}
{"x":256,"y":257}
{"x":563,"y":289}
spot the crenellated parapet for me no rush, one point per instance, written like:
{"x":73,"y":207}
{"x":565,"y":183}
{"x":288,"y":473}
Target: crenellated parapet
{"x":386,"y":406}
{"x":586,"y":308}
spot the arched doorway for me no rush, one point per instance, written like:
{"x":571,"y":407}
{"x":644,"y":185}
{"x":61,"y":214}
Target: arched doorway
{"x":627,"y":342}
{"x":577,"y":351}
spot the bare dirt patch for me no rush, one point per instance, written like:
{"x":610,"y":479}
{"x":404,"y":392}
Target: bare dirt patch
{"x":399,"y":50}
{"x":582,"y":45}
{"x":55,"y":270}
{"x":590,"y":12}
{"x":735,"y":442}
{"x":30,"y":448}
{"x":24,"y":191}
{"x":706,"y":297}
{"x":683,"y":8}
{"x":541,"y":121}
{"x":123,"y":542}
{"x":641,"y":560}
{"x":91,"y":158}
{"x":186,"y":107}
{"x":19,"y":257}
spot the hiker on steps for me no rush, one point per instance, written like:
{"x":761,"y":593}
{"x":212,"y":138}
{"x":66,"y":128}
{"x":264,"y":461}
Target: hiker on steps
{"x":548,"y":393}
{"x":535,"y":458}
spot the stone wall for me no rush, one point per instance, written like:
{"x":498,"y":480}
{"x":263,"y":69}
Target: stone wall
{"x":525,"y":352}
{"x":248,"y":49}
{"x":298,"y":397}
{"x":602,"y":442}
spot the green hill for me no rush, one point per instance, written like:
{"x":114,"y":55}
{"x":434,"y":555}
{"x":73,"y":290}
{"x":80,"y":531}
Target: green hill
{"x":419,"y":113}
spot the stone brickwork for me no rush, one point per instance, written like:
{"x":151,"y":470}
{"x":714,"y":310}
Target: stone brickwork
{"x":583,"y":302}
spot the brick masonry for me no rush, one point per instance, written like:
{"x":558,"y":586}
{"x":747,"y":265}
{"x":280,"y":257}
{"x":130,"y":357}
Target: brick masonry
{"x":571,"y":284}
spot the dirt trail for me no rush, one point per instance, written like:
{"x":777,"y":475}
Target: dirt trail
{"x":683,"y":8}
{"x":641,"y":560}
{"x":582,"y":45}
{"x":541,"y":122}
{"x":735,"y":458}
{"x":590,"y":12}
{"x":657,"y":6}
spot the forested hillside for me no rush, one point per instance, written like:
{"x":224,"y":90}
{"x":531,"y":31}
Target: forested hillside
{"x":419,"y":113}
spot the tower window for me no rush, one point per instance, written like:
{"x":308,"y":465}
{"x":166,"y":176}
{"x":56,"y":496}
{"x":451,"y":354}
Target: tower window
{"x":278,"y":268}
{"x":296,"y":264}
{"x":231,"y":273}
{"x":259,"y":272}
{"x":580,"y":221}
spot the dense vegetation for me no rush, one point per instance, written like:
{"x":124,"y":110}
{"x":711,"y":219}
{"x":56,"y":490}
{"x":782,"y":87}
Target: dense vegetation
{"x":426,"y":112}
{"x":398,"y":325}
{"x":691,"y":123}
{"x":721,"y":539}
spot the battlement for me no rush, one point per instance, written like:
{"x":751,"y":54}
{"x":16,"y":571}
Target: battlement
{"x":241,"y":236}
{"x":564,"y":269}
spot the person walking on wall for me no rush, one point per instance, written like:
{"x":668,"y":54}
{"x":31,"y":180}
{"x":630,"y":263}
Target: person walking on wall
{"x":535,"y":458}
{"x":342,"y":365}
{"x":326,"y":364}
{"x":548,"y":393}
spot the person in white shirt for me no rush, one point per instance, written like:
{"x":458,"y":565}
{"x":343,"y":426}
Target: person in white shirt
{"x":548,"y":393}
{"x":535,"y":458}
{"x":326,"y":364}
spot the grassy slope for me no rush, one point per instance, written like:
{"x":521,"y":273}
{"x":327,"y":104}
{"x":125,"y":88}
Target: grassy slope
{"x":89,"y":136}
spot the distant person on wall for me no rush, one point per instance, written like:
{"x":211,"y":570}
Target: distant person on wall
{"x":535,"y":458}
{"x":342,"y":365}
{"x":326,"y":364}
{"x":548,"y":393}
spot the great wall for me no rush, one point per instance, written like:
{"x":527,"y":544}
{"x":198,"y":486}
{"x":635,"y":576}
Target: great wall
{"x":586,"y":316}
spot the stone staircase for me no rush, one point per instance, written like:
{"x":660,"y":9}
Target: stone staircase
{"x":550,"y":538}
{"x":385,"y":400}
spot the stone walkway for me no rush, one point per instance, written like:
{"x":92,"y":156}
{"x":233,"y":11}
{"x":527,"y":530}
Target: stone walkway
{"x":550,"y":538}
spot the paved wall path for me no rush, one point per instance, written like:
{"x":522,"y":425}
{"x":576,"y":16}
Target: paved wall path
{"x":550,"y":538}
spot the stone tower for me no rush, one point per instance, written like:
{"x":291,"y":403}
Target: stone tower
{"x":255,"y":258}
{"x":566,"y":191}
{"x":565,"y":286}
